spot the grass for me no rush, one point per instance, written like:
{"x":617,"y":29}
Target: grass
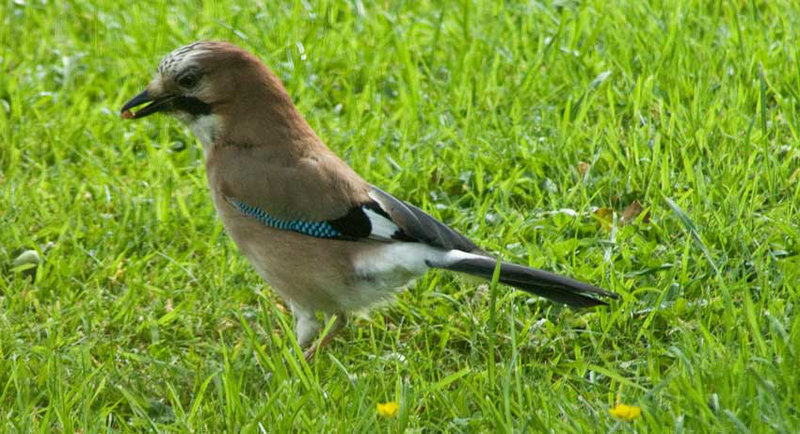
{"x":524,"y":125}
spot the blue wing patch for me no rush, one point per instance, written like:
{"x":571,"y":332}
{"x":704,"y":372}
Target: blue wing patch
{"x":367,"y":220}
{"x":321,"y":229}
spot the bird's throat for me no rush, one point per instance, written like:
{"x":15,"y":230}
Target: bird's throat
{"x":205,"y":127}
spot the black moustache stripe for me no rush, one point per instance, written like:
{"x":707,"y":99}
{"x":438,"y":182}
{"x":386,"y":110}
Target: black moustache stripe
{"x":191,"y":105}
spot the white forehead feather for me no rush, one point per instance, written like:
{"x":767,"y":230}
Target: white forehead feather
{"x":182,"y":57}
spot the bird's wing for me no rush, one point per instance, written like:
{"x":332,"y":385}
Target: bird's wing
{"x":386,"y":218}
{"x":397,"y":220}
{"x":382,"y":218}
{"x":310,"y":189}
{"x":322,"y":197}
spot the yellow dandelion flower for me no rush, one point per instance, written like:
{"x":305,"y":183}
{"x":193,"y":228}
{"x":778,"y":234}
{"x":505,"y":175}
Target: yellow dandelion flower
{"x":388,"y":409}
{"x":626,"y":412}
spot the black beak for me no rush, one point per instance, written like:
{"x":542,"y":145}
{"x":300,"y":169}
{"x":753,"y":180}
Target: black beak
{"x":156,"y":105}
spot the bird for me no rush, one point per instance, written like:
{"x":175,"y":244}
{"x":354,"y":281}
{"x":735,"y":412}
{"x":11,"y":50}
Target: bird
{"x":326,"y":240}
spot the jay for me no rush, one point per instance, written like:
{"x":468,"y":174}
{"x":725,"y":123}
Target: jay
{"x":322,"y":237}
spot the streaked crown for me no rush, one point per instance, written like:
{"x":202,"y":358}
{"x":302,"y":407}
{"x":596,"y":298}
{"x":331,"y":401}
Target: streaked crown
{"x":180,"y":58}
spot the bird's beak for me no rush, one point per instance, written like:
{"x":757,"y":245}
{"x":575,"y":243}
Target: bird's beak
{"x":156,"y":105}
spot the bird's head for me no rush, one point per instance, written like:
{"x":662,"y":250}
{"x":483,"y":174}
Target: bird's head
{"x":210,"y":85}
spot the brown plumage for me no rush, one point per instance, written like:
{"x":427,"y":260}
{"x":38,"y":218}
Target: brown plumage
{"x":323,"y":238}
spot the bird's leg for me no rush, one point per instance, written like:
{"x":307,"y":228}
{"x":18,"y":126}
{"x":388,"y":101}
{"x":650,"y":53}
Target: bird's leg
{"x":339,"y":321}
{"x":307,"y":325}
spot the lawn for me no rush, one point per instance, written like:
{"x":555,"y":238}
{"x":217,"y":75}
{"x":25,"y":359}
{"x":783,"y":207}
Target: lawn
{"x":535,"y":128}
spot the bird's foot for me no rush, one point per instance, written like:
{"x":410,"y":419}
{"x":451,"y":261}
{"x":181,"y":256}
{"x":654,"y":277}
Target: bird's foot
{"x":339,"y":322}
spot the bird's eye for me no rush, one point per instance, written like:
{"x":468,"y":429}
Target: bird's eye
{"x":188,"y":80}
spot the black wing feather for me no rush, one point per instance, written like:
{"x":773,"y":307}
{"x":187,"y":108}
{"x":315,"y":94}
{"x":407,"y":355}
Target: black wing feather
{"x":413,"y":224}
{"x":416,"y":225}
{"x":353,"y":225}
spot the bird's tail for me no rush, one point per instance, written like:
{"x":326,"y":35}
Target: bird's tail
{"x":542,"y":283}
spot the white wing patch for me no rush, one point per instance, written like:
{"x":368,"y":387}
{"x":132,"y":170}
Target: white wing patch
{"x":382,"y":227}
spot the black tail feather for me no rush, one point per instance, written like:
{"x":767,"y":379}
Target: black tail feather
{"x":542,"y":283}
